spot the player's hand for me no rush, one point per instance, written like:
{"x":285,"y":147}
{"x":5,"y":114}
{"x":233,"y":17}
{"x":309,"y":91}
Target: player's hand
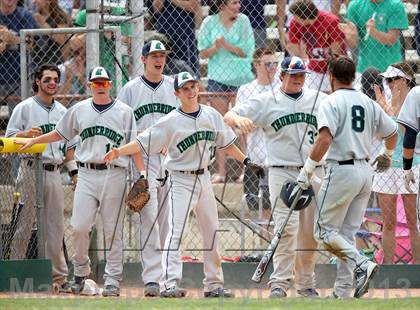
{"x":304,"y":179}
{"x":111,"y":155}
{"x":33,"y":132}
{"x":245,"y":124}
{"x":164,"y":151}
{"x":383,"y":162}
{"x":26,"y":143}
{"x":74,"y":182}
{"x":409,"y":179}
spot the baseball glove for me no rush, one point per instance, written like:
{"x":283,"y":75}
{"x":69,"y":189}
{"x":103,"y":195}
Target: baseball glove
{"x":138,"y":195}
{"x":383,"y":162}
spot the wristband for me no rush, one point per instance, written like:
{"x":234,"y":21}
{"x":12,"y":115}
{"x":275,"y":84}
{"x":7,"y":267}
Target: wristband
{"x":388,"y":152}
{"x":310,"y":165}
{"x":407,"y":163}
{"x":246,"y":161}
{"x":74,"y":172}
{"x":71,"y":165}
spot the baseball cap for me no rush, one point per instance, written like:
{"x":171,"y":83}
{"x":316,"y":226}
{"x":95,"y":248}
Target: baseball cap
{"x":99,"y":73}
{"x":182,"y":78}
{"x":392,"y":72}
{"x":153,"y":46}
{"x":293,"y":65}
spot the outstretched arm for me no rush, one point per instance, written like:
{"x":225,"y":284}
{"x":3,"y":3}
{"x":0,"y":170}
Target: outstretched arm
{"x":50,"y":137}
{"x":234,"y":120}
{"x":128,"y":149}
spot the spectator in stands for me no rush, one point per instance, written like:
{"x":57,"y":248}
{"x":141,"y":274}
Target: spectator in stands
{"x":12,"y":20}
{"x":375,"y":26}
{"x":254,"y":9}
{"x":371,"y":82}
{"x":52,"y":49}
{"x":400,"y":79}
{"x":177,"y":20}
{"x":417,"y":27}
{"x":283,"y":21}
{"x":265,"y":64}
{"x":106,"y":43}
{"x":73,"y":74}
{"x":315,"y":35}
{"x":65,"y":5}
{"x":227,"y":40}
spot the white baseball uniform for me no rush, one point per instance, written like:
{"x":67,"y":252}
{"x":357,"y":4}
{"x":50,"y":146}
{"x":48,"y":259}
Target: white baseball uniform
{"x":99,"y":186}
{"x":191,"y":143}
{"x":353,"y":120}
{"x":410,"y":116}
{"x":285,"y":120}
{"x":33,"y":112}
{"x":149,"y":106}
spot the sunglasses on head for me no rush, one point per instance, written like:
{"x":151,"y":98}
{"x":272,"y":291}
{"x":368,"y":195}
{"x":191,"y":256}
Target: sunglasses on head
{"x":49,"y":79}
{"x":389,"y":80}
{"x":98,"y":84}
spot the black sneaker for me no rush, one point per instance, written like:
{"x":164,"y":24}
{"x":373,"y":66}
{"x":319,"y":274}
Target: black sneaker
{"x":363,"y":277}
{"x":152,"y":289}
{"x":78,"y":284}
{"x":111,"y":291}
{"x":173,"y":292}
{"x":278,"y":292}
{"x":219,"y":292}
{"x":308,"y":292}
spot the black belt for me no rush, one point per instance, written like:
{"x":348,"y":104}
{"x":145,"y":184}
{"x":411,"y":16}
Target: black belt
{"x":348,"y":162}
{"x":95,"y":166}
{"x":195,"y":172}
{"x":288,"y":167}
{"x":47,"y":167}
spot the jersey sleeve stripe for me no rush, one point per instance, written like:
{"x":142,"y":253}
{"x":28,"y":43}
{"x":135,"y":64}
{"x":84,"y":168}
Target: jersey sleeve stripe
{"x":12,"y":133}
{"x":142,"y":147}
{"x":64,"y":137}
{"x":412,"y":126}
{"x":395,"y":130}
{"x":231,"y":142}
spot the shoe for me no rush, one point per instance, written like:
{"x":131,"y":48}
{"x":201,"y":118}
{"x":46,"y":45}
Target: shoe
{"x":77,"y":285}
{"x":363,"y":277}
{"x":333,"y":295}
{"x":308,"y":292}
{"x":219,"y":292}
{"x":65,"y":287}
{"x":173,"y":292}
{"x":217,"y":178}
{"x":111,"y":290}
{"x":277,"y":292}
{"x":152,"y":289}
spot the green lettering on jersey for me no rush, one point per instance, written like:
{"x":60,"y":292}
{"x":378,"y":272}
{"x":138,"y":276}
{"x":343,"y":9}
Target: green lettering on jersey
{"x":152,"y":108}
{"x":294,"y":118}
{"x":46,"y":128}
{"x":194,"y":138}
{"x":91,"y":132}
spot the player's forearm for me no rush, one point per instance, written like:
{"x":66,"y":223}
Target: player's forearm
{"x":233,"y":151}
{"x":130,"y":148}
{"x":138,"y":161}
{"x":321,"y":145}
{"x":50,"y":137}
{"x":386,"y":38}
{"x":70,"y":154}
{"x":231,"y":118}
{"x":391,"y":142}
{"x":408,"y":153}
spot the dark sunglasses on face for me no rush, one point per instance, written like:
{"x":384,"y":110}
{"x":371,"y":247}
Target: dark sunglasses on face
{"x":389,"y":80}
{"x":49,"y":79}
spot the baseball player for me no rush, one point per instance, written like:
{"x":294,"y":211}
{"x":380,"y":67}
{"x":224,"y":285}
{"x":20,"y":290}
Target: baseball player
{"x":347,"y":122}
{"x":152,"y":96}
{"x":101,"y":123}
{"x":191,"y":147}
{"x":288,"y":117}
{"x":409,"y":117}
{"x":32,"y":117}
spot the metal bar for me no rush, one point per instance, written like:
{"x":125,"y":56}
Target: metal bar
{"x":39,"y":186}
{"x":137,"y":36}
{"x":23,"y":66}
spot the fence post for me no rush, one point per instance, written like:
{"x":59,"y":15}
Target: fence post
{"x":92,"y":38}
{"x":39,"y":189}
{"x":23,"y":65}
{"x":138,"y":35}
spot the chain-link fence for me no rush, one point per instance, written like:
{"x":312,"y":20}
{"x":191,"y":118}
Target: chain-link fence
{"x":250,"y":39}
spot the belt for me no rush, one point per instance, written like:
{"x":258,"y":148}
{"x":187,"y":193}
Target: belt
{"x":95,"y":166}
{"x":348,"y":162}
{"x":288,"y":167}
{"x":194,"y":172}
{"x":47,"y":167}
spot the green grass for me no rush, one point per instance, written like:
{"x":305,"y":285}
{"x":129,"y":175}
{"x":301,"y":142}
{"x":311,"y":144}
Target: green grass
{"x":207,"y":304}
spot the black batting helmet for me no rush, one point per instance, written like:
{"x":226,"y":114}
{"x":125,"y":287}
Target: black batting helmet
{"x":288,"y":195}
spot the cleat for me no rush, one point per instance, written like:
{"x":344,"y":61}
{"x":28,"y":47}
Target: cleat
{"x":333,"y":295}
{"x":111,"y":291}
{"x":308,"y":292}
{"x":173,"y":292}
{"x":219,"y":292}
{"x":277,"y":292}
{"x":152,"y":289}
{"x":363,"y":277}
{"x":77,"y":285}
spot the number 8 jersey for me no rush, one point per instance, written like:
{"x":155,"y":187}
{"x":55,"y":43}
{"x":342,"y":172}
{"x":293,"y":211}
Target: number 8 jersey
{"x":99,"y":131}
{"x":353,"y":120}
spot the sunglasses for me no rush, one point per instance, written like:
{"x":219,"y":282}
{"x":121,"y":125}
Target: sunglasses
{"x":389,"y":80}
{"x":49,"y":79}
{"x":97,"y":84}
